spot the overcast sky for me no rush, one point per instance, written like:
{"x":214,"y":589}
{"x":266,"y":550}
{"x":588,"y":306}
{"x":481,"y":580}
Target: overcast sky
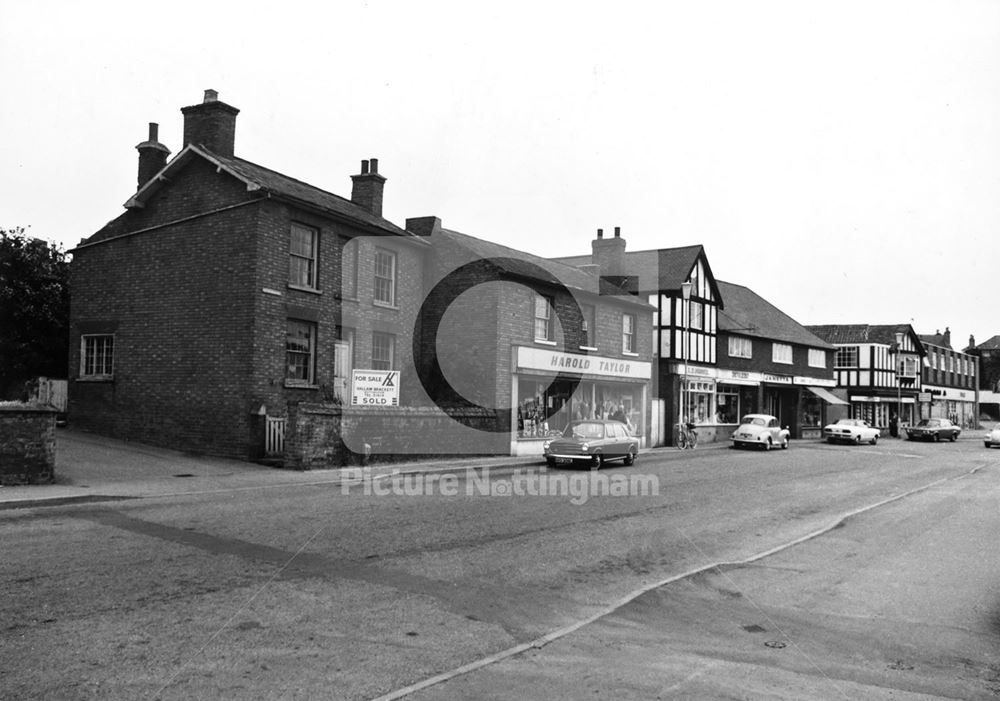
{"x":840,"y":158}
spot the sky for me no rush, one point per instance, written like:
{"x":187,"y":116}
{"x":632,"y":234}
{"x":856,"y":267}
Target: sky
{"x":842,"y":159}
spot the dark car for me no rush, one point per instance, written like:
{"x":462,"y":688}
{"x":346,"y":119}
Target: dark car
{"x":933,"y":430}
{"x":594,"y":442}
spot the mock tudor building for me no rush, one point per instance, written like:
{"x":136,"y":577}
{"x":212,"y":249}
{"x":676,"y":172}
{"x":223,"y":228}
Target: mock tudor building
{"x":227,"y":291}
{"x":769,"y":363}
{"x":950,"y":385}
{"x":877,"y":368}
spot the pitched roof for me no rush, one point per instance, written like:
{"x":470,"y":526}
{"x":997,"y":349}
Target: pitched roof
{"x":658,"y":269}
{"x":841,"y":334}
{"x":749,"y":314}
{"x":935,"y":339}
{"x":990,"y":344}
{"x":260,"y":179}
{"x":526,"y":265}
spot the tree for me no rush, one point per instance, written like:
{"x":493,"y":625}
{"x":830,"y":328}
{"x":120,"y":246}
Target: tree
{"x":34,"y":311}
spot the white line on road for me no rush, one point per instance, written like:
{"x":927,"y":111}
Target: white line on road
{"x":573,"y":627}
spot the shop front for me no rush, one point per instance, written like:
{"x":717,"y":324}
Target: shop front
{"x":716,"y":400}
{"x":552,"y":388}
{"x":957,"y":405}
{"x":879,"y":409}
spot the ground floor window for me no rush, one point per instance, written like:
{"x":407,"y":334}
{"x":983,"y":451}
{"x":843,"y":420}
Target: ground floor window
{"x":876,"y":414}
{"x":732,"y":402}
{"x":97,"y":355}
{"x":810,"y":410}
{"x":699,"y":398}
{"x":545,"y":409}
{"x":300,"y":351}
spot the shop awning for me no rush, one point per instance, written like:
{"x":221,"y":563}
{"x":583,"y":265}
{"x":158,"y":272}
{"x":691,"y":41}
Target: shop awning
{"x":826,"y":396}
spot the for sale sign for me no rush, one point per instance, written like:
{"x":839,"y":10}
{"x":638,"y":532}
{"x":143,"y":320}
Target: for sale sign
{"x":375,"y":388}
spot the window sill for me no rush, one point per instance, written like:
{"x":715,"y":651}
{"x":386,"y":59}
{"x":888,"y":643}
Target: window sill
{"x":384,"y":305}
{"x":629,"y":354}
{"x":293,"y":384}
{"x":544,"y":342}
{"x":588,"y":348}
{"x":97,"y":378}
{"x":300,"y":288}
{"x":782,"y":362}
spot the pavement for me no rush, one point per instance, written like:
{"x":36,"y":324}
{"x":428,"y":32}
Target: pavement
{"x":90,"y":467}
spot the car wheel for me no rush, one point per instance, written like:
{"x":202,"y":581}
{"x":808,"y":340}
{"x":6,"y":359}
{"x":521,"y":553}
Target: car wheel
{"x":937,"y":437}
{"x":784,"y":444}
{"x":597,"y":462}
{"x":767,"y":446}
{"x":857,"y":439}
{"x":551,"y":462}
{"x":629,"y":457}
{"x":875,"y":439}
{"x":953,"y":437}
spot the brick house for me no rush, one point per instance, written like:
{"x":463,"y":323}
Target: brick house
{"x":540,"y":341}
{"x":987,"y":354}
{"x":227,"y":291}
{"x":950,"y":378}
{"x":769,"y":363}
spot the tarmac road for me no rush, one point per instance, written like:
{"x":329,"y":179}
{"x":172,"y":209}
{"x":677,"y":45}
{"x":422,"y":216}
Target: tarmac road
{"x":289,"y":585}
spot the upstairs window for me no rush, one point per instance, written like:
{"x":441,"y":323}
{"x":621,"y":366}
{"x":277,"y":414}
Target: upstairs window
{"x":385,"y":277}
{"x":302,"y":256}
{"x":543,"y":318}
{"x":697,"y":316}
{"x":817,"y":358}
{"x":846,"y":357}
{"x":588,"y":335}
{"x":349,"y":269}
{"x":740,"y":347}
{"x":781,"y":353}
{"x":628,"y":333}
{"x":97,"y":356}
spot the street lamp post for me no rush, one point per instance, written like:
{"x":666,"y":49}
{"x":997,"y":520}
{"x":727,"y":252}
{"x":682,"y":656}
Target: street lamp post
{"x":899,"y":382}
{"x":685,"y":314}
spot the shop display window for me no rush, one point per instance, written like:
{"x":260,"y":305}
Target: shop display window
{"x":810,"y":410}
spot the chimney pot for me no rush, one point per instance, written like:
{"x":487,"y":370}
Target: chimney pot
{"x":600,"y":233}
{"x":368,"y":187}
{"x":618,"y":232}
{"x":152,"y":156}
{"x":364,"y":167}
{"x":211,"y":96}
{"x":374,"y":163}
{"x":154,"y":131}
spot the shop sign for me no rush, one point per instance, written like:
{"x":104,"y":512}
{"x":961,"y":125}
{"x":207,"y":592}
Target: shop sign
{"x":949,"y":393}
{"x":375,"y":388}
{"x":814,"y":381}
{"x":557,"y":361}
{"x":781,"y":379}
{"x":925,"y":397}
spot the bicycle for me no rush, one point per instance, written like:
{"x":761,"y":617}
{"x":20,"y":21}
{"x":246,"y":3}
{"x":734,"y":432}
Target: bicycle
{"x":687,"y":437}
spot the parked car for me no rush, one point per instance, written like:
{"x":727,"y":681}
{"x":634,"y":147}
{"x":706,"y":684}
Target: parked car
{"x":933,"y":430}
{"x":761,"y":430}
{"x":851,"y":431}
{"x":992,"y":438}
{"x":594,"y":442}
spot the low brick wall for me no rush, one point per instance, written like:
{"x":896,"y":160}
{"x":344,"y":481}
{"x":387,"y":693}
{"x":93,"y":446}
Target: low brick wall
{"x":315,"y":434}
{"x":27,"y":444}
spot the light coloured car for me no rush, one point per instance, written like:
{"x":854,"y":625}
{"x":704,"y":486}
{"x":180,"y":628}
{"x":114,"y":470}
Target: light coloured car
{"x":760,"y":430}
{"x":992,"y":438}
{"x":592,"y":441}
{"x":851,"y":431}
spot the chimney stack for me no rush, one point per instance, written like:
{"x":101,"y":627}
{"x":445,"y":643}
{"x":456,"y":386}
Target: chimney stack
{"x":947,"y":336}
{"x":211,"y":124}
{"x":609,"y":254}
{"x":368,"y":186}
{"x":152,"y":155}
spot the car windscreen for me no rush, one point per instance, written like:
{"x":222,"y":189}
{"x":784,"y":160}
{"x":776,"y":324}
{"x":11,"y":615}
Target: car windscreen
{"x":754,"y":421}
{"x":584,"y":430}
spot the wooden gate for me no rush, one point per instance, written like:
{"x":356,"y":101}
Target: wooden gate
{"x":274,"y":436}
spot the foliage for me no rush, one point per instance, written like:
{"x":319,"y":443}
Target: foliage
{"x":34,"y":311}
